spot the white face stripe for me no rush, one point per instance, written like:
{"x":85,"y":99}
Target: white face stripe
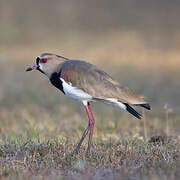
{"x":40,"y":66}
{"x":75,"y":93}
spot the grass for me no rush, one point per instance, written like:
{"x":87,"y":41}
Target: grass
{"x":40,"y":127}
{"x":23,"y":158}
{"x":38,"y":135}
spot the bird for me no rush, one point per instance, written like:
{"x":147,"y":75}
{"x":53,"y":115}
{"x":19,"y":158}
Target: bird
{"x":87,"y":83}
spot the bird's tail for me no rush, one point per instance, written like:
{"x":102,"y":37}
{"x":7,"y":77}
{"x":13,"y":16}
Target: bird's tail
{"x":146,"y":106}
{"x":124,"y":106}
{"x":132,"y":111}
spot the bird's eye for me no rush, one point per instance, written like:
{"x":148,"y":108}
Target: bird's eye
{"x":43,"y":60}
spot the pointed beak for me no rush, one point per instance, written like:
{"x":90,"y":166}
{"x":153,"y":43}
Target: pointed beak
{"x":33,"y":67}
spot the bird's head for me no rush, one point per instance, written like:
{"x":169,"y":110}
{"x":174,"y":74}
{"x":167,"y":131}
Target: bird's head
{"x":47,"y":63}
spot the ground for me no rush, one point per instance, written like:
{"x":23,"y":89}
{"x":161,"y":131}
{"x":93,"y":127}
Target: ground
{"x":127,"y":158}
{"x":40,"y":126}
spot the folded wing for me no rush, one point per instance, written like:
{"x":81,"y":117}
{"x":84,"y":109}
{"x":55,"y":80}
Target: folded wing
{"x":96,"y":82}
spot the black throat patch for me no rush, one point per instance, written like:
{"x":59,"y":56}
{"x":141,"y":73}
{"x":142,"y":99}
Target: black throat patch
{"x":55,"y":80}
{"x":37,"y":62}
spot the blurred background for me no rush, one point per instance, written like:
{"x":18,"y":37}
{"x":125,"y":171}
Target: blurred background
{"x":136,"y":41}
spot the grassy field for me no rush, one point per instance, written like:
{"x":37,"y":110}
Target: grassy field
{"x":137,"y":43}
{"x":40,"y":126}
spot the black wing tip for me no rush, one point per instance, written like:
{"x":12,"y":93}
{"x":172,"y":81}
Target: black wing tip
{"x":146,"y":106}
{"x":132,"y":111}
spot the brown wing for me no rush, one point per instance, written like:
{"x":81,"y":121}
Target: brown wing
{"x":96,"y":82}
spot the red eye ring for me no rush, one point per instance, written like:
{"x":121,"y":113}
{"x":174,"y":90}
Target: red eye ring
{"x":43,"y":60}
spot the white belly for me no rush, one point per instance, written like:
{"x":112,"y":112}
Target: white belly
{"x":74,"y":92}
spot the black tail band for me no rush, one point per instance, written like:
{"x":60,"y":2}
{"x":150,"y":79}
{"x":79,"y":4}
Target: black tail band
{"x":132,"y":111}
{"x":146,"y":106}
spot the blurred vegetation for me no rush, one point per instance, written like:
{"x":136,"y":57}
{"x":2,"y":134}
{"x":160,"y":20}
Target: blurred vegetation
{"x":137,"y":42}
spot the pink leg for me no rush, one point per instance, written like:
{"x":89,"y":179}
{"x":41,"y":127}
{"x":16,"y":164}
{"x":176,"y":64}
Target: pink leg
{"x":89,"y":128}
{"x":91,"y":125}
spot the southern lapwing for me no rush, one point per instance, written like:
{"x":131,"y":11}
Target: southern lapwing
{"x":87,"y":83}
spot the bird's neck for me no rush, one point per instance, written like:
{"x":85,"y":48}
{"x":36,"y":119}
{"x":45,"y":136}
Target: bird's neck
{"x":52,"y":69}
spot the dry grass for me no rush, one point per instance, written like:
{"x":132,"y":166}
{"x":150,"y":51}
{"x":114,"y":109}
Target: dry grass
{"x":40,"y":127}
{"x":22,"y":158}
